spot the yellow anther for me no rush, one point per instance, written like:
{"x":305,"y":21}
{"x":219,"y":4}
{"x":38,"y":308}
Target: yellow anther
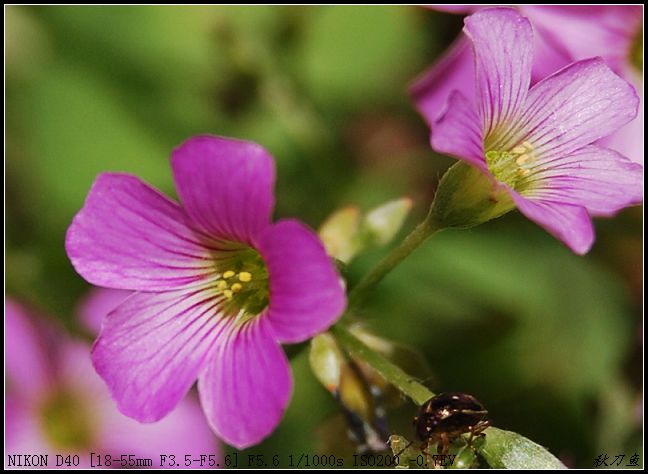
{"x":228,"y":274}
{"x":245,"y":276}
{"x":222,"y":284}
{"x":522,"y":159}
{"x":228,"y":294}
{"x":523,"y":172}
{"x":527,"y":145}
{"x":236,"y":287}
{"x":518,"y":150}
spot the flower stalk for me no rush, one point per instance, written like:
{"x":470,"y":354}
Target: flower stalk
{"x":419,"y":235}
{"x":392,"y":373}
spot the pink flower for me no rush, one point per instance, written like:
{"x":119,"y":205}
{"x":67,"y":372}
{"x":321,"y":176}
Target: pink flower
{"x":563,"y":34}
{"x":537,"y":143}
{"x":218,"y":288}
{"x":56,"y":404}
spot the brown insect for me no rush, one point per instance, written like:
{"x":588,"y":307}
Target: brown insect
{"x":445,"y":417}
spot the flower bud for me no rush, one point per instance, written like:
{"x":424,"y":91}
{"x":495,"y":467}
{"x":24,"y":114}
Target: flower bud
{"x":383,"y":222}
{"x":345,"y":233}
{"x":326,"y":360}
{"x":338,"y":233}
{"x":466,"y":197}
{"x":341,"y":376}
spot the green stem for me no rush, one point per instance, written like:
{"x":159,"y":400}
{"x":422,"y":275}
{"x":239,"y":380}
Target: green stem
{"x":390,"y":372}
{"x":360,"y":291}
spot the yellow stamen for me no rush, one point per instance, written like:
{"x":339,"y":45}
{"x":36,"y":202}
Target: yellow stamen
{"x":221,"y":285}
{"x":228,"y":294}
{"x":522,"y":159}
{"x":228,"y":274}
{"x":518,"y":150}
{"x":236,"y":287}
{"x":514,"y":167}
{"x":245,"y":276}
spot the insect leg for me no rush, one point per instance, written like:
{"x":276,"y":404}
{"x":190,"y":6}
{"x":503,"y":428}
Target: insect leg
{"x":477,"y":430}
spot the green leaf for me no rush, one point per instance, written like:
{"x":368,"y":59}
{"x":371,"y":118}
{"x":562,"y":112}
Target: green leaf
{"x":27,"y":44}
{"x":516,"y":299}
{"x":359,"y":54}
{"x":167,"y":45}
{"x":508,"y":450}
{"x":80,"y":128}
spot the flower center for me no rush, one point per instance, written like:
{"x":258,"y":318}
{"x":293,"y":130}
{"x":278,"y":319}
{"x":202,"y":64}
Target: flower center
{"x":67,"y":422}
{"x":512,"y":167}
{"x":242,"y":282}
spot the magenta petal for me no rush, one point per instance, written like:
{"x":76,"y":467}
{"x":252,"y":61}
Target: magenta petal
{"x":568,"y":223}
{"x":23,"y":427}
{"x":601,"y":180}
{"x":27,"y":362}
{"x":306,"y":294}
{"x":183,"y":431}
{"x":152,"y":347}
{"x":454,"y":71}
{"x":503,"y":44}
{"x":16,"y":418}
{"x":458,"y":133}
{"x":576,"y":106}
{"x":225,"y":185}
{"x":96,"y":305}
{"x":625,"y":139}
{"x":246,"y":385}
{"x":585,"y":31}
{"x":130,"y":236}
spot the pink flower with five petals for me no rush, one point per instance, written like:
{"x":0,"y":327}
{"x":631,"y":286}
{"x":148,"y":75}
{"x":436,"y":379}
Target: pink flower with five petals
{"x":537,"y":142}
{"x":563,"y":34}
{"x":217,"y":288}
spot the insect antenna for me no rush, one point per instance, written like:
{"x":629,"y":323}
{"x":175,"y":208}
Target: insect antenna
{"x":403,"y":450}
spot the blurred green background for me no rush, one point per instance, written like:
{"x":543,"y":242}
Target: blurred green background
{"x":550,"y":342}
